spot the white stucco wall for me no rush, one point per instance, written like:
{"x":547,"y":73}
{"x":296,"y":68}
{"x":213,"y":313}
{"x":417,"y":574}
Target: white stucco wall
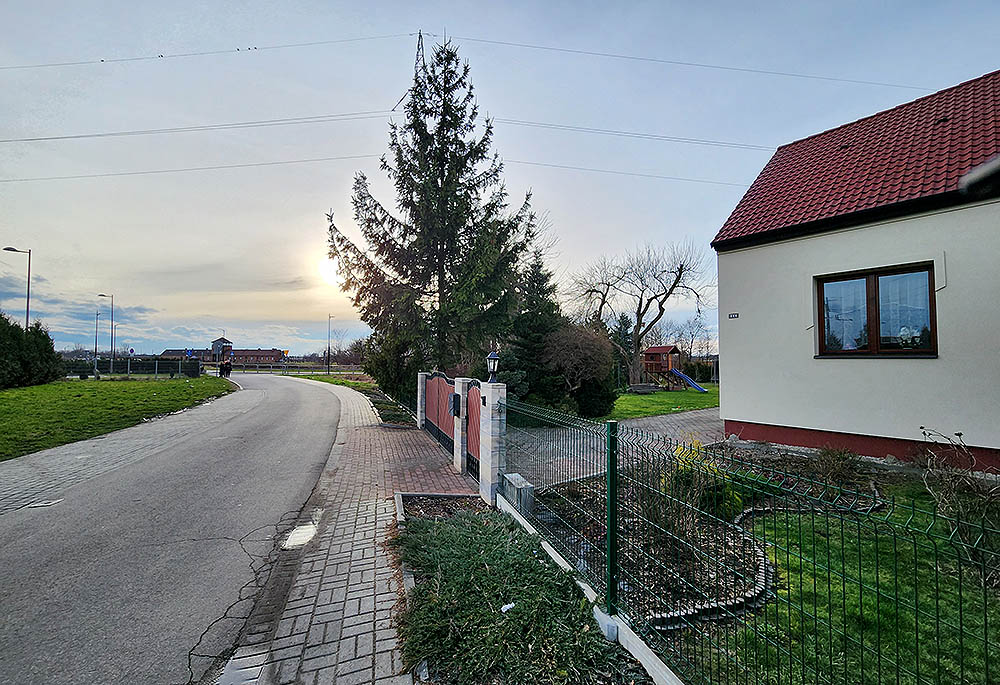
{"x":767,"y":365}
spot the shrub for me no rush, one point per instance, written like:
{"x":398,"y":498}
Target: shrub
{"x":26,"y":357}
{"x":393,"y":361}
{"x":583,"y":358}
{"x":676,"y":495}
{"x":970,"y":496}
{"x":716,"y":494}
{"x":837,"y":466}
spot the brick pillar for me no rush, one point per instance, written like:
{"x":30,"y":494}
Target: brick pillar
{"x":421,"y":398}
{"x":461,"y":434}
{"x":492,"y":440}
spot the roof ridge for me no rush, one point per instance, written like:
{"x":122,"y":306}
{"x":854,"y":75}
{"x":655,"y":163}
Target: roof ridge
{"x":901,"y":105}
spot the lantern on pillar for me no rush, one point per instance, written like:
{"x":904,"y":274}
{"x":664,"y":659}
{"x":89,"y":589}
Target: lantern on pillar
{"x":492,"y":361}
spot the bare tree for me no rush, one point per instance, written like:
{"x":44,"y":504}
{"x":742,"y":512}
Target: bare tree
{"x":691,"y":333}
{"x":641,"y":283}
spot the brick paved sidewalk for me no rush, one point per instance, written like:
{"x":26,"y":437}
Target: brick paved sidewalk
{"x":336,"y":626}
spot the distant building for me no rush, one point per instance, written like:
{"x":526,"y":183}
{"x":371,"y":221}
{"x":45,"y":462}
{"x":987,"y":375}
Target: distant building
{"x":222,"y":350}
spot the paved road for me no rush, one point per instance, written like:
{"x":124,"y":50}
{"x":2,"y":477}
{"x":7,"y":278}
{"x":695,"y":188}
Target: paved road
{"x":117,"y":582}
{"x":703,"y":425}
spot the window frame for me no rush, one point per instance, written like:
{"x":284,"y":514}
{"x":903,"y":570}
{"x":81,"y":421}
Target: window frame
{"x":871,"y":277}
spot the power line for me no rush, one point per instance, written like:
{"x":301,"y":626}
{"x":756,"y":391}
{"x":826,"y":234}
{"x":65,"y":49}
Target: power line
{"x":550,"y":48}
{"x":347,"y":157}
{"x":185,"y":169}
{"x":202,"y":53}
{"x":631,"y":134}
{"x":681,"y":63}
{"x":627,"y":173}
{"x":288,"y":121}
{"x":379,"y":114}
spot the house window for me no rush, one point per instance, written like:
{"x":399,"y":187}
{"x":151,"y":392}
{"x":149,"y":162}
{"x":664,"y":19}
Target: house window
{"x":886,"y":312}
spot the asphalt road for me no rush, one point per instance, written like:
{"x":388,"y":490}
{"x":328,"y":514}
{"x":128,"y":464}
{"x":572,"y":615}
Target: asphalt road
{"x":117,"y":582}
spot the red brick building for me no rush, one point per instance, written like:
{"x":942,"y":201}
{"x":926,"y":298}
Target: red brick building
{"x":222,"y":350}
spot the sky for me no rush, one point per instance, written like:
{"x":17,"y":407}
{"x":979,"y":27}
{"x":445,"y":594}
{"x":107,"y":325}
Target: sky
{"x":191,"y":254}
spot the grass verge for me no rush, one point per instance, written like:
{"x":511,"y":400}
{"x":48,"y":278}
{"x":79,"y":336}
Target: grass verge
{"x":468,"y":568}
{"x":665,"y":402}
{"x":43,"y":416}
{"x":389,"y":410}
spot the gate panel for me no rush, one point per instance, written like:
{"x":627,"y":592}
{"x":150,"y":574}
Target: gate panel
{"x":474,"y":411}
{"x":440,"y":423}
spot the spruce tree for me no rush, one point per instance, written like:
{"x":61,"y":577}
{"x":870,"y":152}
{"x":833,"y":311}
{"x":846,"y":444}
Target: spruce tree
{"x":437,"y":276}
{"x":537,"y":317}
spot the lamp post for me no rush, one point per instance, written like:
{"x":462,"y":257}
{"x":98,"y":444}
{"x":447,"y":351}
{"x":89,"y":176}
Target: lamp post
{"x":27,"y":299}
{"x":97,"y":318}
{"x":329,"y":317}
{"x":492,"y":361}
{"x":112,"y":327}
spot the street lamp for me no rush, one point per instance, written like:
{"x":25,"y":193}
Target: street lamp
{"x":112,"y":326}
{"x":492,"y":361}
{"x":27,"y":299}
{"x":328,"y":318}
{"x":97,"y":318}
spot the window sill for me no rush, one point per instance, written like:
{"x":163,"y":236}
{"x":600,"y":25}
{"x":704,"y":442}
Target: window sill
{"x":922,"y":355}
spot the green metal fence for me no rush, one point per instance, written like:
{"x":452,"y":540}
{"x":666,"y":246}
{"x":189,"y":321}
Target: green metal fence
{"x":738,"y":571}
{"x":134,"y":367}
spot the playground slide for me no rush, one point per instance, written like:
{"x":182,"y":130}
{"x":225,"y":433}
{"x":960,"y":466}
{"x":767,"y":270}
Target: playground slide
{"x":687,"y":379}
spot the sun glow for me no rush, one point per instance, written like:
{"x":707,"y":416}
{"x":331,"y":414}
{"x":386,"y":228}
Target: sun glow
{"x":328,"y":271}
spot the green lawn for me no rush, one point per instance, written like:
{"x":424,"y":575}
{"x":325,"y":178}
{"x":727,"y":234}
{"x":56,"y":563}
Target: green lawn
{"x":665,"y":402}
{"x":43,"y":416}
{"x":861,"y":601}
{"x":387,"y":408}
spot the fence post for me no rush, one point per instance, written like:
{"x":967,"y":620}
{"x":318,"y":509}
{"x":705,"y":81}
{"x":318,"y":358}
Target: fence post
{"x":422,"y":398}
{"x":156,"y":368}
{"x":492,"y":440}
{"x":612,"y":534}
{"x":461,"y":434}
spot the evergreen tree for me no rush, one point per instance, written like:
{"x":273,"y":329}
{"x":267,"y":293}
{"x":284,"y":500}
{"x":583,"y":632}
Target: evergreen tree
{"x":26,"y":357}
{"x":621,"y":339}
{"x":438,"y":279}
{"x":538,"y":315}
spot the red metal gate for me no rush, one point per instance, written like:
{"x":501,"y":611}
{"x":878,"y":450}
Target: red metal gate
{"x":440,"y":423}
{"x":475,"y":406}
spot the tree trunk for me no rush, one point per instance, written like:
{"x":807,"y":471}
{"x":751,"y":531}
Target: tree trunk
{"x":635,"y":364}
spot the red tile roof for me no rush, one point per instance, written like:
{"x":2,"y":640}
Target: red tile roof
{"x":892,"y":162}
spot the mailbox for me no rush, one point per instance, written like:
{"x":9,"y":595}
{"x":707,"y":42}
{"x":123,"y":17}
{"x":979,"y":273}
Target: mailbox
{"x":454,"y":404}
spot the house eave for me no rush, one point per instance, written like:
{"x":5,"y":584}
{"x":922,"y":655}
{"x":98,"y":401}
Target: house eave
{"x":893,"y":211}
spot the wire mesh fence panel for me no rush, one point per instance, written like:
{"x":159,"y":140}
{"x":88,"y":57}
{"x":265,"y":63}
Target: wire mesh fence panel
{"x":563,"y":458}
{"x":746,"y":573}
{"x":736,"y":571}
{"x":124,"y":366}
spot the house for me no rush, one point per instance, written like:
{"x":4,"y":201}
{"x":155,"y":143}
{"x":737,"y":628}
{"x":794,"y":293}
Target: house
{"x":860,"y":260}
{"x":222,"y":350}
